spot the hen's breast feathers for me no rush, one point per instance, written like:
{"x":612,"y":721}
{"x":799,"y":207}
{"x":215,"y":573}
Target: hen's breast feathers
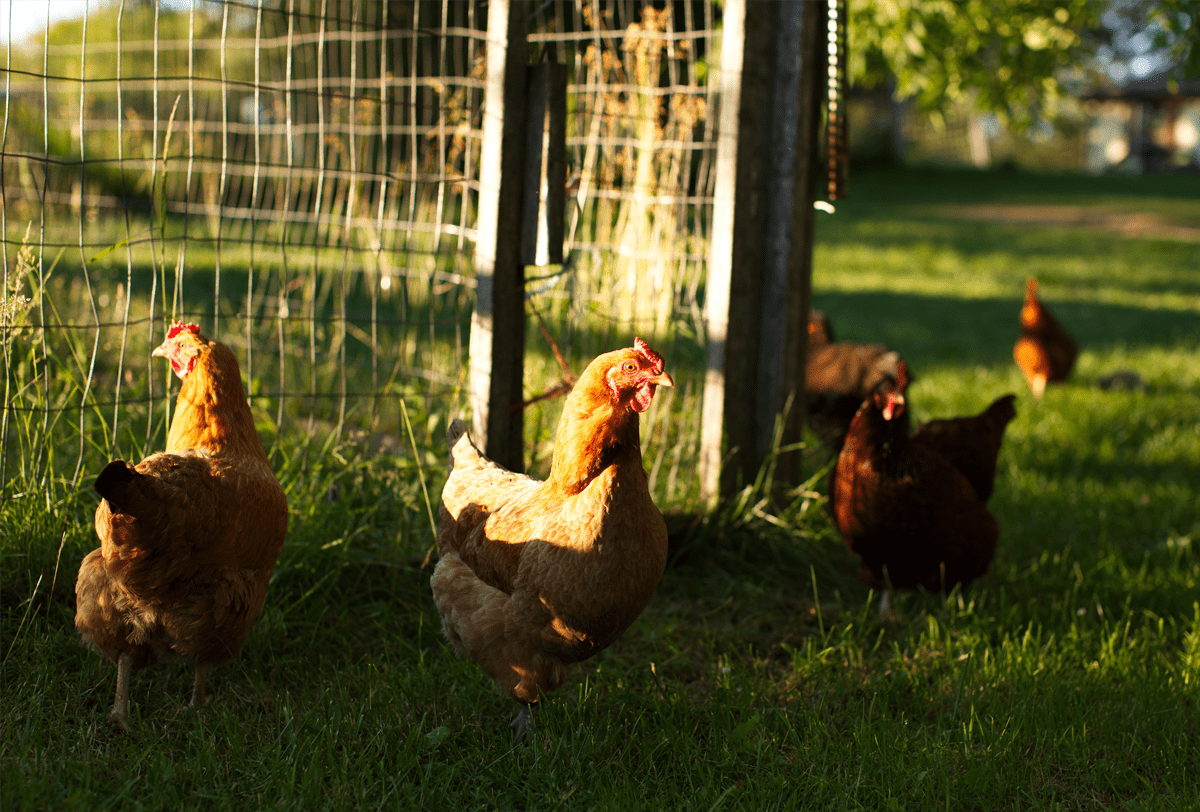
{"x":491,"y":517}
{"x":584,"y":558}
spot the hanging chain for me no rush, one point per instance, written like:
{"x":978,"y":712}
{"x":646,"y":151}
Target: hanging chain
{"x":836,"y":151}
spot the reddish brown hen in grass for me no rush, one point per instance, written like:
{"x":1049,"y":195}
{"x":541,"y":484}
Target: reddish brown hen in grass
{"x":910,"y":516}
{"x":1045,"y":352}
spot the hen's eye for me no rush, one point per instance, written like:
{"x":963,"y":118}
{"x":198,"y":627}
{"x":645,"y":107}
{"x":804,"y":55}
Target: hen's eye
{"x":630,"y":366}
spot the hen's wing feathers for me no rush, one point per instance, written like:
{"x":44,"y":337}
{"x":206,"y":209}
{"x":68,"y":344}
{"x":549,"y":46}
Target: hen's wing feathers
{"x":924,"y":527}
{"x":475,"y":491}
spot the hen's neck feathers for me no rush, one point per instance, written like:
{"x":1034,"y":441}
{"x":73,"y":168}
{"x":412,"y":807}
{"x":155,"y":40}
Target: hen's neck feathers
{"x":596,"y":431}
{"x":886,"y":441}
{"x":211,"y":412}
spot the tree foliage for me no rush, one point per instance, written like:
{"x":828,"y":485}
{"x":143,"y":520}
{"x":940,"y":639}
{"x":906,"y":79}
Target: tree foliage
{"x":1012,"y":57}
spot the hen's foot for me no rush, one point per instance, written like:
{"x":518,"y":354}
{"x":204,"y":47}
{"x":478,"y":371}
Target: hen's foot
{"x":119,"y":715}
{"x":885,"y":606}
{"x":118,"y":720}
{"x":522,"y":723}
{"x":199,"y":699}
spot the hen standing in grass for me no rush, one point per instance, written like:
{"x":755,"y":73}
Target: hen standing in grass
{"x":189,"y":536}
{"x":534,"y":576}
{"x":1045,"y":352}
{"x":912,"y":518}
{"x":838,"y":376}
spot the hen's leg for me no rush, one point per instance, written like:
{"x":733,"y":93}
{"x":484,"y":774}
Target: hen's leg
{"x":885,"y":605}
{"x":119,"y":715}
{"x":522,"y":723}
{"x":199,"y":700}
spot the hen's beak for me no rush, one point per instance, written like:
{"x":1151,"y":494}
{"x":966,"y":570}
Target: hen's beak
{"x":160,"y":351}
{"x":662,"y":380}
{"x":894,"y":406}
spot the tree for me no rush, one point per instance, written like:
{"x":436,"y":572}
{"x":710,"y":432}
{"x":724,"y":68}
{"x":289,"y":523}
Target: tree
{"x":1014,"y":57}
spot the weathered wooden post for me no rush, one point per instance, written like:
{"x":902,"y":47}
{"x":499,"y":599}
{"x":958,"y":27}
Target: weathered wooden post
{"x":759,"y":269}
{"x":545,"y":164}
{"x":498,"y":324}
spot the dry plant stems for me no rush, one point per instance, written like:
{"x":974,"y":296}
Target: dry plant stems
{"x":643,"y":126}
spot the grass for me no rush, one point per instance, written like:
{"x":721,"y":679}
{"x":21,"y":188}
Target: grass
{"x":758,"y":677}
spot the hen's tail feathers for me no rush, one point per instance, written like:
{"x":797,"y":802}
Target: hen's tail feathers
{"x":116,"y":484}
{"x":1002,"y":410}
{"x":131,"y":492}
{"x":462,"y":450}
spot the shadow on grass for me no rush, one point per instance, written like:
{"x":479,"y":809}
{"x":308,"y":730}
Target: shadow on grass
{"x":945,"y":330}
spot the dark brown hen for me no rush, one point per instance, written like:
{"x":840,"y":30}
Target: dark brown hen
{"x":909,"y":515}
{"x":838,"y":376}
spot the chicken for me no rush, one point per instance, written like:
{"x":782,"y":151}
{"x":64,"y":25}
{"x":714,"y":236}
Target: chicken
{"x":910,"y":516}
{"x":533,"y":576}
{"x":971,"y":444}
{"x":838,"y":377}
{"x":820,"y":328}
{"x":1045,"y":352}
{"x":188,"y":537}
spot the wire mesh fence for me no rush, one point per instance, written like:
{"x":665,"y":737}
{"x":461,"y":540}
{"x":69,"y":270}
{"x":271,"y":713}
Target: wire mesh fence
{"x":641,"y":144}
{"x":299,"y":177}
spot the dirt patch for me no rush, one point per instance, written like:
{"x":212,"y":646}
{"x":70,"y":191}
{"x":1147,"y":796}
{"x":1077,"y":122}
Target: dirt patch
{"x":1130,"y":224}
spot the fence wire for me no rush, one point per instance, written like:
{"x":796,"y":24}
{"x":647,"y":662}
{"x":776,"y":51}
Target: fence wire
{"x":300,"y":178}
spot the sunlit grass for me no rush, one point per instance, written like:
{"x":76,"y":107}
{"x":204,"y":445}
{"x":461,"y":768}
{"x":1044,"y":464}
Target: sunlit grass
{"x":759,"y":676}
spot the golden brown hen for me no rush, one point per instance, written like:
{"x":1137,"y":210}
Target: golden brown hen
{"x":1045,"y":352}
{"x":912,"y":518}
{"x":534,"y":576}
{"x":189,"y":536}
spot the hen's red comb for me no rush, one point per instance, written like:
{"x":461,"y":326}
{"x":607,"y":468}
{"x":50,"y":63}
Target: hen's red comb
{"x":901,"y":376}
{"x":178,"y":327}
{"x":656,"y":360}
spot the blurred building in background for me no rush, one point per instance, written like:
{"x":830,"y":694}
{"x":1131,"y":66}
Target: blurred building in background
{"x":1145,"y":125}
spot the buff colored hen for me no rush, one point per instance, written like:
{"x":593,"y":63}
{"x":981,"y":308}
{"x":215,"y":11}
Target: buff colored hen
{"x":188,"y":537}
{"x":534,"y":576}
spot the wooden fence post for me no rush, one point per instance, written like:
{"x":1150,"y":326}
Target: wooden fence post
{"x":498,"y":324}
{"x":545,"y":164}
{"x":759,"y":267}
{"x":720,"y":251}
{"x":800,"y":75}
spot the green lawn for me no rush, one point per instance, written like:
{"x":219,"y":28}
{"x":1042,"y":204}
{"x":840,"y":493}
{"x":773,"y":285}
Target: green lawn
{"x":759,"y":677}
